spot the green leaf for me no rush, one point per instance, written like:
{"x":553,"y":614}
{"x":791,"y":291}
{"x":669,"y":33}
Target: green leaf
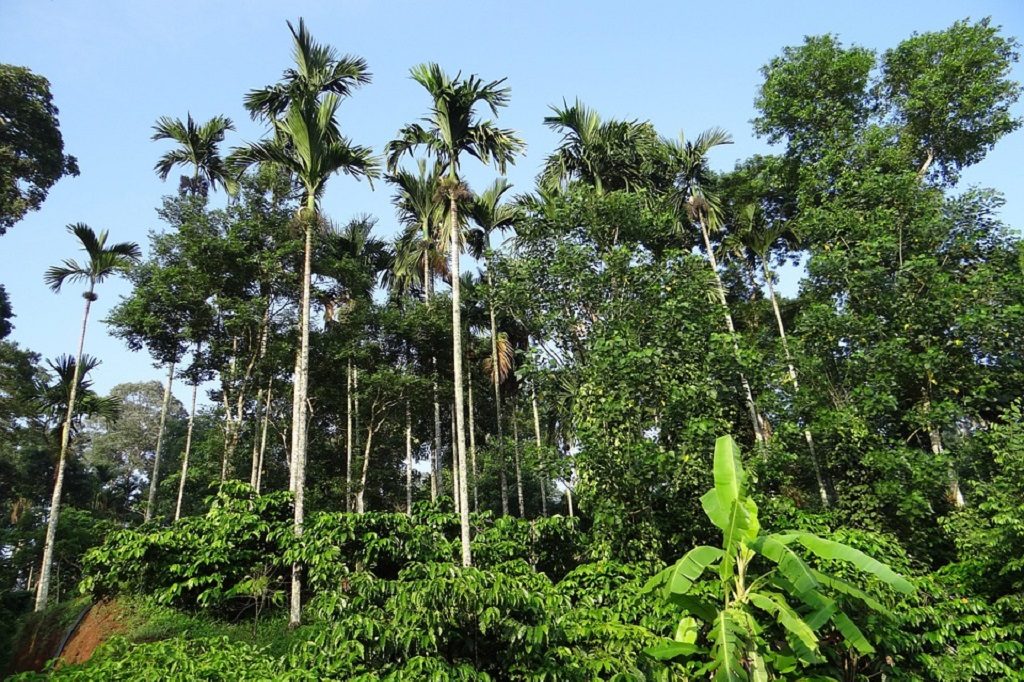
{"x":686,"y":631}
{"x":669,"y":650}
{"x":775,"y":604}
{"x":852,"y":634}
{"x":790,"y":564}
{"x":728,"y":649}
{"x":679,"y":578}
{"x":849,"y":590}
{"x":831,"y":550}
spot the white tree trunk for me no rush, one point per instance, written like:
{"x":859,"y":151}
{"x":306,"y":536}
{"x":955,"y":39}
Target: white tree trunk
{"x":460,"y":409}
{"x":496,"y":380}
{"x":540,"y":453}
{"x":348,"y":438}
{"x":188,"y":450}
{"x":263,"y":436}
{"x":517,"y":459}
{"x":818,"y":476}
{"x":154,"y":478}
{"x":299,"y":428}
{"x":472,"y":438}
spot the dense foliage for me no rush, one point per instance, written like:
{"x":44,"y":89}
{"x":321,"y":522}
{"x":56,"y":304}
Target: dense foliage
{"x":400,"y":470}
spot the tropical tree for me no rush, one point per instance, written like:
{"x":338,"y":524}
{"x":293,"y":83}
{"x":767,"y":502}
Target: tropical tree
{"x":490,"y":214}
{"x":609,"y":155}
{"x":198,"y":146}
{"x":452,"y":129}
{"x":698,"y":204}
{"x":308,"y":144}
{"x":102,"y":262}
{"x":32,"y":154}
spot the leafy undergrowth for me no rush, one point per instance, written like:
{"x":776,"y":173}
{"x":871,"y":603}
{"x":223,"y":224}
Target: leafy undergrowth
{"x":203,"y":599}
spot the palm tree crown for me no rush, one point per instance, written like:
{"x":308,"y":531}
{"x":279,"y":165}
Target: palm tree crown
{"x":452,"y":127}
{"x":198,"y":147}
{"x":103,"y":261}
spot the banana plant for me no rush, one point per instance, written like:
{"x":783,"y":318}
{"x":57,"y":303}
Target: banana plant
{"x":769,"y":624}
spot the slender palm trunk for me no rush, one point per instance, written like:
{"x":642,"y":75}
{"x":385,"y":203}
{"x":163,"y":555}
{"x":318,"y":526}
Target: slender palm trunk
{"x":755,"y":418}
{"x":496,"y":380}
{"x":154,"y":478}
{"x":460,"y":408}
{"x":818,"y":475}
{"x":455,"y":462}
{"x":188,"y":450}
{"x":299,"y":428}
{"x":263,"y":436}
{"x":408,"y":459}
{"x":540,"y":453}
{"x":296,"y":386}
{"x":435,"y":451}
{"x":472,"y":437}
{"x":517,"y":461}
{"x":43,"y":587}
{"x":348,"y":438}
{"x":435,"y":448}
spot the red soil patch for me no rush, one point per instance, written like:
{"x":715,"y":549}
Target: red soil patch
{"x":102,"y":621}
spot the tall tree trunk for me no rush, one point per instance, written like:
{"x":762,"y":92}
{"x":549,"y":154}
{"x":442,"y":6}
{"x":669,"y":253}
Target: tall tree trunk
{"x":496,"y":380}
{"x":263,"y":436}
{"x":460,"y":408}
{"x":472,"y":437}
{"x":408,"y":459}
{"x":188,"y":450}
{"x":360,"y":495}
{"x":435,"y":450}
{"x":299,"y":428}
{"x":455,"y":463}
{"x":517,"y":460}
{"x":154,"y":478}
{"x":755,"y":418}
{"x":818,"y":475}
{"x":540,"y":454}
{"x":296,"y":386}
{"x":254,"y":470}
{"x":348,"y":438}
{"x":43,"y":587}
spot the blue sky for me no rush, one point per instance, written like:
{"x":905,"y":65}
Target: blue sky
{"x":116,"y":66}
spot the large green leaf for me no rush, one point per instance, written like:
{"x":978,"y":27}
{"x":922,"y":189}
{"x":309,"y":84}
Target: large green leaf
{"x":679,"y":578}
{"x":669,"y":650}
{"x":730,"y":479}
{"x":789,"y":562}
{"x":728,"y":649}
{"x":851,"y":633}
{"x":849,"y":590}
{"x":831,"y":550}
{"x":775,"y":605}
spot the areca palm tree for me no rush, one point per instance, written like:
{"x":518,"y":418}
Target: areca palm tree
{"x":198,"y":146}
{"x":451,"y":129}
{"x":102,"y":262}
{"x":698,"y":204}
{"x":606,"y":154}
{"x":308,"y":144}
{"x":490,"y":214}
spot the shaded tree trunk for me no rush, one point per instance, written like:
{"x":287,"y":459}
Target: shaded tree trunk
{"x":517,"y":460}
{"x":496,"y":380}
{"x":348,"y":438}
{"x":408,"y":459}
{"x":472,"y":438}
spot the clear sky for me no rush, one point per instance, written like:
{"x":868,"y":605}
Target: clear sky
{"x":115,"y":66}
